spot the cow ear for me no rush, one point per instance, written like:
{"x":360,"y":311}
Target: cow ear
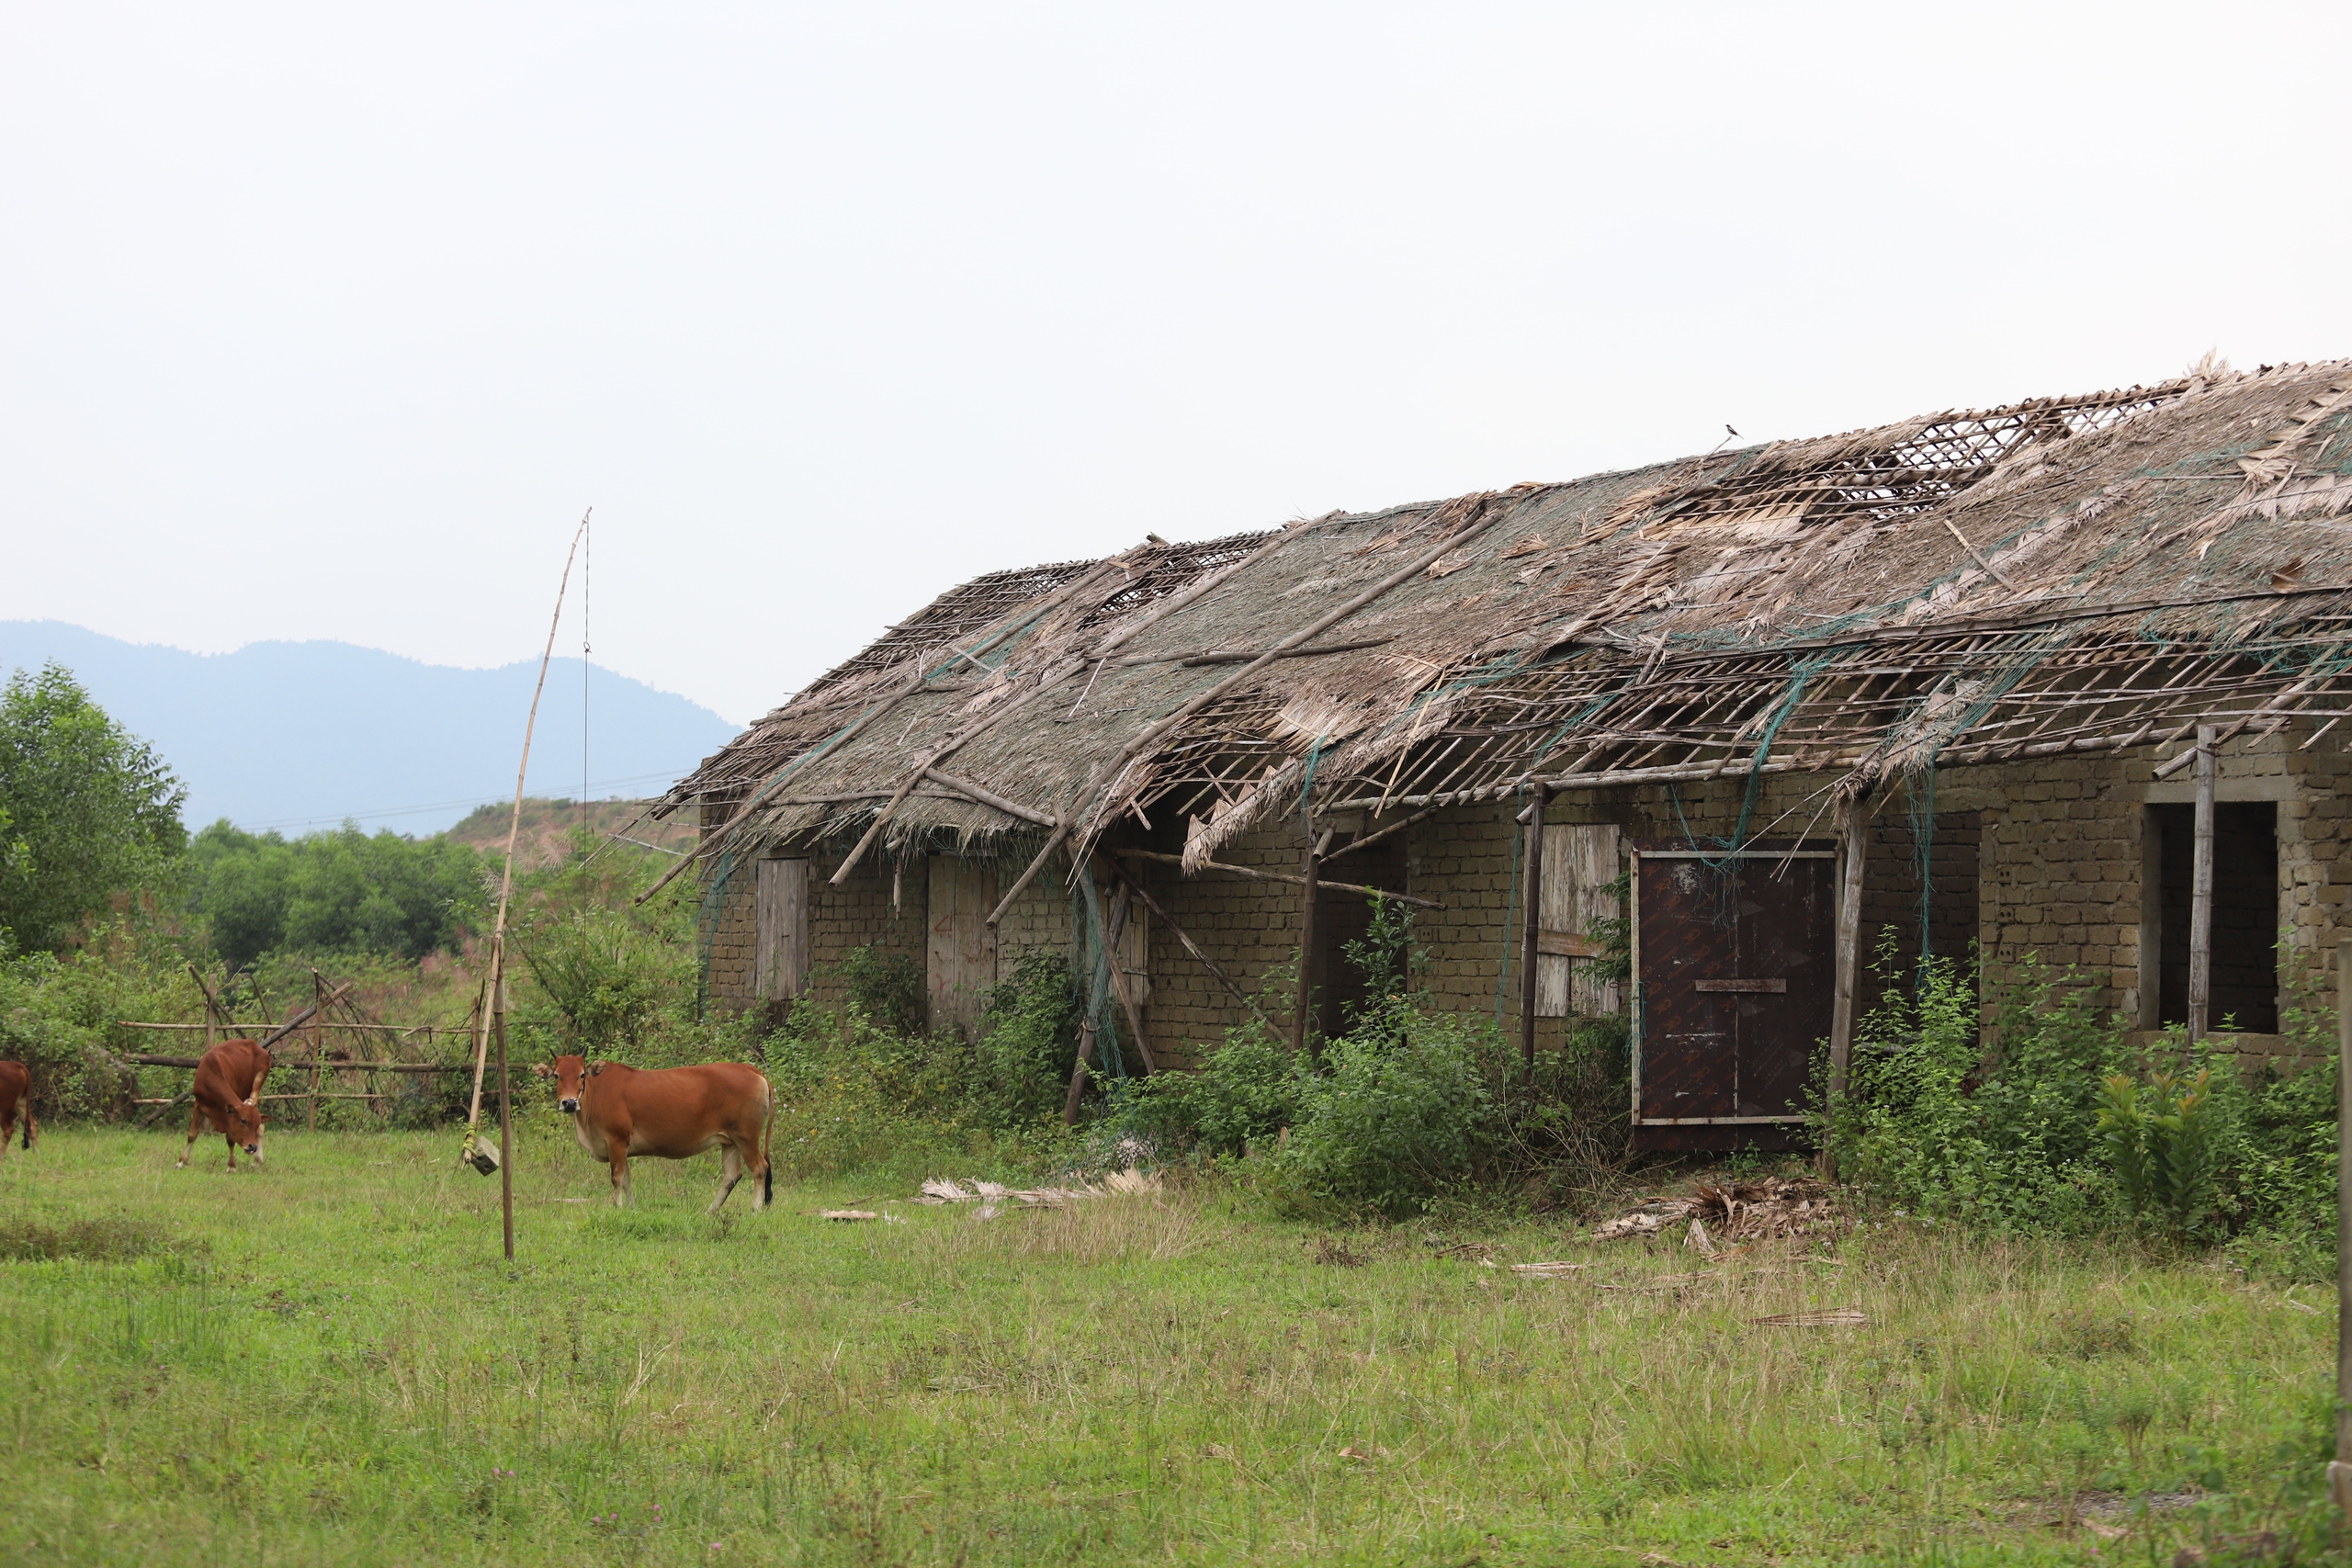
{"x":542,"y":1069}
{"x":597,"y":1068}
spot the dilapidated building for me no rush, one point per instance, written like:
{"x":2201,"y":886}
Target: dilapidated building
{"x":1943,"y":679}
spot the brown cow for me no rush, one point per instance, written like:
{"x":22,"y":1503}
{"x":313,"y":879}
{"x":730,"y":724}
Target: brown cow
{"x":670,"y":1114}
{"x":228,"y":1091}
{"x":16,"y":1094}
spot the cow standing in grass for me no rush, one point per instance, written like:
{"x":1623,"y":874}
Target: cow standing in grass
{"x":15,"y":1098}
{"x":228,"y":1093}
{"x":670,"y":1114}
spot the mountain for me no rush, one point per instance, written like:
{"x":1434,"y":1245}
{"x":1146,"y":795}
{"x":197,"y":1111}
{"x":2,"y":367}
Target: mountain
{"x":298,"y":736}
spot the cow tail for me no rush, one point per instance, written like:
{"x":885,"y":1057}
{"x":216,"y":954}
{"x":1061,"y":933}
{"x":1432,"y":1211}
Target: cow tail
{"x":28,"y":1124}
{"x":768,"y":1148}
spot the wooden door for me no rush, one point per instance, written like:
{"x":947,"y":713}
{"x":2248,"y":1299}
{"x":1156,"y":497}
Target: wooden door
{"x":960,"y":962}
{"x":781,"y":949}
{"x":1580,"y":869}
{"x":1734,"y":966}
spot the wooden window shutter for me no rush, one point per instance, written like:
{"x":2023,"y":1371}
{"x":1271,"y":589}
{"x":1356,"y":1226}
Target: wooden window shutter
{"x":1579,"y":863}
{"x":783,"y":965}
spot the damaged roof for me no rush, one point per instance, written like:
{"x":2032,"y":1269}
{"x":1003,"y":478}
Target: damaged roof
{"x":2078,"y":573}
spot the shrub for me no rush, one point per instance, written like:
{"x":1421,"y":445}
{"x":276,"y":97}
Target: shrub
{"x":1028,"y":1042}
{"x":2059,"y":1125}
{"x":1397,"y":1112}
{"x":2162,"y":1147}
{"x":1245,"y":1093}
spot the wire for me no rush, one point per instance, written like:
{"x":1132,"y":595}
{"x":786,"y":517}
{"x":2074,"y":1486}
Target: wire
{"x":587,"y":558}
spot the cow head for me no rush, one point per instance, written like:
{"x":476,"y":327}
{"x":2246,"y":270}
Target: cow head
{"x":572,"y":1074}
{"x":244,"y":1127}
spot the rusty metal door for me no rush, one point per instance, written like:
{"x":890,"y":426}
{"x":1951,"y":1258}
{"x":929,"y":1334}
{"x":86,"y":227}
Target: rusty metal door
{"x":1734,"y":977}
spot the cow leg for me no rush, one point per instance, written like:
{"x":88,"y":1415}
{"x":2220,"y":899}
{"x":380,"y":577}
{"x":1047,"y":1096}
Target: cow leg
{"x":730,"y":1171}
{"x":231,"y":1138}
{"x":195,"y":1125}
{"x":762,"y":1182}
{"x":620,"y":1174}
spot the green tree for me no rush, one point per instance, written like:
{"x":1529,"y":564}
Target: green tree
{"x":343,"y":891}
{"x":87,"y":809}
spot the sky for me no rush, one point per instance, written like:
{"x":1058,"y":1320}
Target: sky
{"x":330,"y":322}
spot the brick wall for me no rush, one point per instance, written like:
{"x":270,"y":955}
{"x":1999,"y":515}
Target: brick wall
{"x":2058,"y":849}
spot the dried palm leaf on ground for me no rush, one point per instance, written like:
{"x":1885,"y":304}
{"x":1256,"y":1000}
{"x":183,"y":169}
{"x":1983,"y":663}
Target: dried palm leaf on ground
{"x":1119,"y":1183}
{"x":1733,"y":1212}
{"x":1662,"y":1283}
{"x":1833,"y":1317}
{"x":1548,"y":1270}
{"x":847,"y":1214}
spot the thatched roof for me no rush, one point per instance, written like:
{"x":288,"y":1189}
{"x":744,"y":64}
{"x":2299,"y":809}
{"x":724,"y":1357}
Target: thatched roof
{"x":2069,"y":573}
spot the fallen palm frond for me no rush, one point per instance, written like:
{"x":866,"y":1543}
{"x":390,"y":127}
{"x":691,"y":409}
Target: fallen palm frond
{"x":1738,"y":1211}
{"x":1547,"y":1270}
{"x":1833,"y":1317}
{"x":993,"y":1195}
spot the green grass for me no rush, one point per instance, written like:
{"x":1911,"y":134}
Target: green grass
{"x":328,"y":1362}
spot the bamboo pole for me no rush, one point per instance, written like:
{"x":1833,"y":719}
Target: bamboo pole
{"x":318,"y":1046}
{"x":1086,"y":1025}
{"x":2200,"y":896}
{"x":1165,"y":918}
{"x":1533,"y":934}
{"x":1304,"y":1009}
{"x":2339,"y":1470}
{"x":1853,"y":827}
{"x":1119,"y":984}
{"x":498,"y":930}
{"x":1254,"y":874}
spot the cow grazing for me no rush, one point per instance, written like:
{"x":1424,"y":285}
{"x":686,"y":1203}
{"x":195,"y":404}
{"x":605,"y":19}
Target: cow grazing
{"x":670,"y":1114}
{"x":15,"y":1098}
{"x":228,"y":1092}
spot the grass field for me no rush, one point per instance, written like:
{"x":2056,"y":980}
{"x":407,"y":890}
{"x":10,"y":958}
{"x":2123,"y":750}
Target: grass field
{"x":328,"y":1362}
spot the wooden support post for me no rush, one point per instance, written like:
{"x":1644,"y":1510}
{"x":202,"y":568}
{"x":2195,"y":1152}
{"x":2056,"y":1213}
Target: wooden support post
{"x":318,"y":1049}
{"x":1086,"y":1024}
{"x":2340,"y":1471}
{"x":2201,"y":895}
{"x":1299,"y":1032}
{"x":1119,"y":982}
{"x":1533,"y":817}
{"x":1204,"y":961}
{"x":505,"y":1115}
{"x":1853,"y":831}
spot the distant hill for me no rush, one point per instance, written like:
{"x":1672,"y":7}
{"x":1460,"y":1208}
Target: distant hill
{"x":547,"y":826}
{"x":298,"y":736}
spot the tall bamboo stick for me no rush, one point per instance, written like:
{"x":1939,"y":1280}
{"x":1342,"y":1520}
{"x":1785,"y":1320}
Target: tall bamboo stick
{"x":2200,"y":896}
{"x":1853,"y":825}
{"x":2340,"y":1471}
{"x":1530,"y":936}
{"x":498,"y":930}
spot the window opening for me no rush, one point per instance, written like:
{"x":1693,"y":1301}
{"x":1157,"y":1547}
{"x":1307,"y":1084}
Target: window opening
{"x":2245,"y":913}
{"x":1341,"y":918}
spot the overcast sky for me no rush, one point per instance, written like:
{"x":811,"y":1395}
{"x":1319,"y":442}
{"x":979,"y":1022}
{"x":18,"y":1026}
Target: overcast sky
{"x":323,"y":321}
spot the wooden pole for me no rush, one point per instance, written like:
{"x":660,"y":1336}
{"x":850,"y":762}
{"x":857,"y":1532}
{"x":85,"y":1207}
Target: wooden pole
{"x":1299,"y":1035}
{"x":1165,"y":918}
{"x":1254,"y":874}
{"x":1119,"y":917}
{"x":1853,"y":828}
{"x":505,"y":1123}
{"x":1533,"y":930}
{"x":498,"y":929}
{"x":2200,"y":897}
{"x":1086,"y":1024}
{"x":2339,"y":1470}
{"x":318,"y":1049}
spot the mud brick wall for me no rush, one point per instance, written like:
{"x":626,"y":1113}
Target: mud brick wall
{"x":2056,"y":848}
{"x":858,"y":914}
